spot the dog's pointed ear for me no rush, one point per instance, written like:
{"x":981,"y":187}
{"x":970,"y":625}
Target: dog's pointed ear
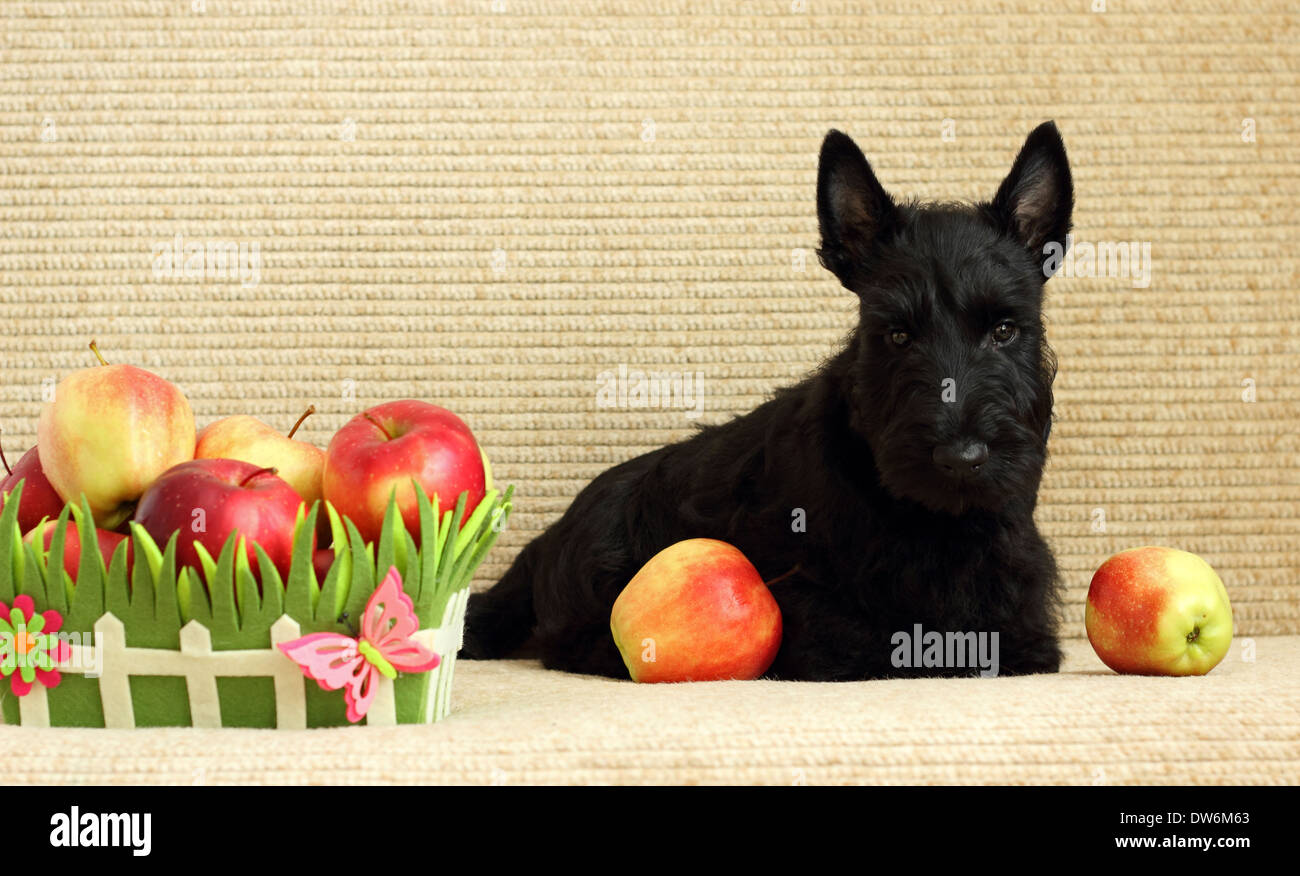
{"x":1035,"y":201}
{"x":852,"y":207}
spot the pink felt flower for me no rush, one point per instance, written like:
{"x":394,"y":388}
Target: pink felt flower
{"x":29,"y":650}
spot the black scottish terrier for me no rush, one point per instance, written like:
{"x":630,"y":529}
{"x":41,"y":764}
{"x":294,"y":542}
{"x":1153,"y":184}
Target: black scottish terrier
{"x":912,"y":457}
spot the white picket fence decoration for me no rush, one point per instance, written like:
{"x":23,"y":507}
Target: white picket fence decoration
{"x":201,"y":667}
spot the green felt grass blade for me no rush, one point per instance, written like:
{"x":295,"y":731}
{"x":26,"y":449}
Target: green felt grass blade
{"x":248,"y":595}
{"x":34,"y":539}
{"x":206,"y":564}
{"x":492,"y":529}
{"x":87,"y":601}
{"x":474,"y":553}
{"x":363,"y":573}
{"x":55,"y":573}
{"x":386,"y":551}
{"x":142,"y":586}
{"x":450,"y":549}
{"x":33,"y":583}
{"x":117,"y":594}
{"x":411,"y":574}
{"x":221,"y":587}
{"x":470,"y":527}
{"x":329,"y":594}
{"x":447,"y":562}
{"x":146,"y":549}
{"x":429,"y":533}
{"x":11,"y":545}
{"x":468,"y":537}
{"x":117,"y":588}
{"x":159,"y":618}
{"x":132,"y":598}
{"x":192,"y":596}
{"x":302,"y":592}
{"x":93,"y":567}
{"x":458,"y":574}
{"x":338,"y":582}
{"x":334,"y":590}
{"x":58,"y":584}
{"x":444,"y":529}
{"x":272,"y":590}
{"x":167,"y":610}
{"x":338,"y":532}
{"x":411,"y":570}
{"x":259,"y":608}
{"x":271,"y":579}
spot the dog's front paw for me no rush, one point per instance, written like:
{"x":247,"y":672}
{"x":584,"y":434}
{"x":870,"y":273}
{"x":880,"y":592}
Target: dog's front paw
{"x":1043,"y":655}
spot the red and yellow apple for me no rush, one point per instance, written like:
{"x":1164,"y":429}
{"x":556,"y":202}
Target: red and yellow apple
{"x":39,"y":500}
{"x":697,"y":611}
{"x":385,"y":448}
{"x":206,"y":500}
{"x":108,"y":433}
{"x":246,"y":438}
{"x":1158,"y":611}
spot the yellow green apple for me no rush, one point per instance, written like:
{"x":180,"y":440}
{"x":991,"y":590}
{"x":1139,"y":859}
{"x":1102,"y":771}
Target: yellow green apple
{"x":108,"y":433}
{"x":1158,"y":611}
{"x":248,"y":439}
{"x":697,"y":611}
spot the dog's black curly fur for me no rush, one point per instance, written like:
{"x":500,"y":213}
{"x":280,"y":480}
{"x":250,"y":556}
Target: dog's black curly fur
{"x":950,"y":352}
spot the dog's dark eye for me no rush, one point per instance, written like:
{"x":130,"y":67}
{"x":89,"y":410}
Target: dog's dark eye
{"x":899,"y":338}
{"x":1004,"y":332}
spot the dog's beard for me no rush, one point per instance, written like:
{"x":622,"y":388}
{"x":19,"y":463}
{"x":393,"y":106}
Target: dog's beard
{"x":1011,"y":476}
{"x":917,"y":482}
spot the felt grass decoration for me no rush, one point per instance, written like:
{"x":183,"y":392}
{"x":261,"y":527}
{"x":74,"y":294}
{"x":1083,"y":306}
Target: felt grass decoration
{"x":154,"y":601}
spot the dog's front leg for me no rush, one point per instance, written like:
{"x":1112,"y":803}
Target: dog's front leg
{"x":823,"y":638}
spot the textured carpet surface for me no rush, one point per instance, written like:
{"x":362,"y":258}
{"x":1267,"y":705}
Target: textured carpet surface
{"x":516,"y":723}
{"x":490,"y":204}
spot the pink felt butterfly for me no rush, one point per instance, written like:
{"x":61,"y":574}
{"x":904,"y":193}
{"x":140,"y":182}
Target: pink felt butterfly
{"x":385,"y":648}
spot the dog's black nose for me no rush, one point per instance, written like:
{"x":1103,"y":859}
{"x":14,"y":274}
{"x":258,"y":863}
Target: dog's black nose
{"x":961,"y":458}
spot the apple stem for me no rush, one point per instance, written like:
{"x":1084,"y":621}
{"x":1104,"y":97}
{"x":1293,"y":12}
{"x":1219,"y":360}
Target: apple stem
{"x":311,"y":409}
{"x":378,"y":425}
{"x":260,"y":471}
{"x":8,"y":470}
{"x":780,"y":578}
{"x":95,"y":349}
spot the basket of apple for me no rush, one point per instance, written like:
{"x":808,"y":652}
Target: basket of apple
{"x":155,"y":575}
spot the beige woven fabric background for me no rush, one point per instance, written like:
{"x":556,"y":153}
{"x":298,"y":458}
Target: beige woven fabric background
{"x":488,"y":204}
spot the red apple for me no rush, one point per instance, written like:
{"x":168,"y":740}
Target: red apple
{"x":321,"y":560}
{"x":40,"y":500}
{"x":109,"y":431}
{"x":208,"y":499}
{"x":1158,"y":611}
{"x":697,"y":611}
{"x":108,"y":542}
{"x":382,"y":449}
